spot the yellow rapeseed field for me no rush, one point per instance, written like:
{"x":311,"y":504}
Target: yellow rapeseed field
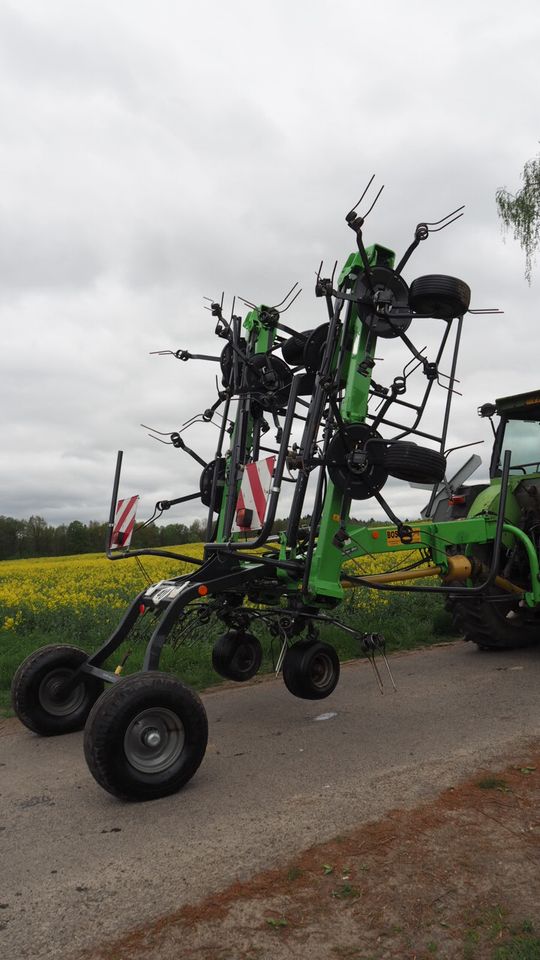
{"x":54,"y":590}
{"x":34,"y":592}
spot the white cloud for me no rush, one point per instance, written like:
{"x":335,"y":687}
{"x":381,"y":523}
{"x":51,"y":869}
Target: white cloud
{"x":155,"y":154}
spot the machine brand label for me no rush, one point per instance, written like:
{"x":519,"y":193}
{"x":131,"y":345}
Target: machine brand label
{"x":392,"y":536}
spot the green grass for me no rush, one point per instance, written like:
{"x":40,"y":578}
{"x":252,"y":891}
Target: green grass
{"x":520,"y":947}
{"x":406,"y":621}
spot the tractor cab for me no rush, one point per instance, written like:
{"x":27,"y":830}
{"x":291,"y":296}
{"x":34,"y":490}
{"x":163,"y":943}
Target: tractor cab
{"x":518,"y":431}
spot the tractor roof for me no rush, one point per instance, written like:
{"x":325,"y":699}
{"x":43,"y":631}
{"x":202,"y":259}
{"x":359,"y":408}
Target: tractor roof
{"x":522,"y":406}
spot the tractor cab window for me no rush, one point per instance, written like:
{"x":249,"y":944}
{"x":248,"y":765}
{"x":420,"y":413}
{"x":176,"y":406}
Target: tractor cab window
{"x":522,"y":437}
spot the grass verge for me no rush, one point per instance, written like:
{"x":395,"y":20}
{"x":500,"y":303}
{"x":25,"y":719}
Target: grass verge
{"x":406,"y":621}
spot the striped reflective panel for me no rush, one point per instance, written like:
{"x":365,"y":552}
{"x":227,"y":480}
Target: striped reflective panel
{"x":254,"y":492}
{"x":124,"y":522}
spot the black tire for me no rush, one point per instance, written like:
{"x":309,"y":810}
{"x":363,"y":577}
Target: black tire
{"x":33,"y":691}
{"x":206,"y":481}
{"x":237,"y":655}
{"x":311,"y":669}
{"x":439,"y":296}
{"x":269,"y":379}
{"x":408,"y":461}
{"x":292,"y":350}
{"x":314,"y":347}
{"x":489,"y":624}
{"x":116,"y":748}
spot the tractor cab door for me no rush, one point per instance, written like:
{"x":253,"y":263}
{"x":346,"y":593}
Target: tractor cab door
{"x":518,"y":431}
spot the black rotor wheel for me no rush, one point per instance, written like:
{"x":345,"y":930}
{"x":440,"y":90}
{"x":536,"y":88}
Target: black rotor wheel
{"x":439,"y":296}
{"x":292,"y":350}
{"x":390,"y":289}
{"x":314,"y":348}
{"x":237,"y":655}
{"x":206,"y":482}
{"x":359,"y":480}
{"x":227,"y":359}
{"x":269,"y":379}
{"x":311,"y":669}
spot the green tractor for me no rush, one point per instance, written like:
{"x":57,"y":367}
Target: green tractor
{"x":501,"y":619}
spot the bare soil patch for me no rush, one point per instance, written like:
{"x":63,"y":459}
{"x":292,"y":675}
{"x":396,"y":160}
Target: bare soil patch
{"x":455,"y":878}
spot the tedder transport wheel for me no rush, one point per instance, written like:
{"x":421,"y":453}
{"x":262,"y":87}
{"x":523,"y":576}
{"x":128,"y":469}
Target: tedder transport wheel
{"x":146,"y":737}
{"x":408,"y":461}
{"x":311,"y":669}
{"x":439,"y":296}
{"x":237,"y":655}
{"x":37,"y":696}
{"x":495,"y":625}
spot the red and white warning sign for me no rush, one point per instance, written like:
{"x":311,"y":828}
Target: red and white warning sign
{"x":124,"y":522}
{"x":253,"y":496}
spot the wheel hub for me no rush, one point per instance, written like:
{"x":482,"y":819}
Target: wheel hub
{"x":53,"y":697}
{"x":154,"y":740}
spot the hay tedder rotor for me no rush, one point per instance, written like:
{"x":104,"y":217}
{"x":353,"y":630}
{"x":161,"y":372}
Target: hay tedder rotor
{"x":146,"y":733}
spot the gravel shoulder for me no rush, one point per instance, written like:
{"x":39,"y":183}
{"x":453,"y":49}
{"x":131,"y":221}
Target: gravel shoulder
{"x":455,"y":878}
{"x":281,"y":776}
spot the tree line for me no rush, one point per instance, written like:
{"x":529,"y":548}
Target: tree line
{"x":36,"y":538}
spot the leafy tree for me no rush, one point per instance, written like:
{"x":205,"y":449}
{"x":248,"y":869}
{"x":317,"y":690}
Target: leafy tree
{"x":520,"y":212}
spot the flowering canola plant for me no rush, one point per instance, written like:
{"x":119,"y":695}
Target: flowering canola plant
{"x":63,"y":593}
{"x":77,"y":594}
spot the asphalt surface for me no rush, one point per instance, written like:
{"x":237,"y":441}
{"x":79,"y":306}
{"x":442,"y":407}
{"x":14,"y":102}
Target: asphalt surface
{"x":78,"y":866}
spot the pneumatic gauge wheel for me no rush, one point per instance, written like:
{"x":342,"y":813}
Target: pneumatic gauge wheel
{"x":146,"y":736}
{"x":38,"y":694}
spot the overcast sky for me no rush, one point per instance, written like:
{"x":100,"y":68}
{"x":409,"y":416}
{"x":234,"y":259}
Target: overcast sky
{"x":156,"y":153}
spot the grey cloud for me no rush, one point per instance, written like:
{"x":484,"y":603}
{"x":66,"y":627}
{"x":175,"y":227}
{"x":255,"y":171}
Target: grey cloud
{"x":152,"y":157}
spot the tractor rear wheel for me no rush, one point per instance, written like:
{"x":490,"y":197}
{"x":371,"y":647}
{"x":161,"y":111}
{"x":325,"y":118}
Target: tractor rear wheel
{"x":493,"y":623}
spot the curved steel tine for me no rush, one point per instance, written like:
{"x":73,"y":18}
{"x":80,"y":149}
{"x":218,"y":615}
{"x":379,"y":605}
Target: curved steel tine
{"x":248,"y":303}
{"x":365,"y":215}
{"x":168,"y":443}
{"x":486,"y":310}
{"x":333,"y":273}
{"x":297,"y":294}
{"x":404,"y":372}
{"x":435,"y":223}
{"x":161,"y":353}
{"x":436,"y":229}
{"x":364,"y":193}
{"x":287,"y":295}
{"x":318,"y":273}
{"x":162,"y":433}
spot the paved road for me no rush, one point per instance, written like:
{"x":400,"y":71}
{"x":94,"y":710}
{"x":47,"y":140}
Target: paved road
{"x":78,"y":865}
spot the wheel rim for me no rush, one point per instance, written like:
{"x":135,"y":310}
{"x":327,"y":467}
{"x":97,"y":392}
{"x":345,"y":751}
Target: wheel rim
{"x":244,"y":657}
{"x":321,"y":671}
{"x":154,"y":740}
{"x":48,"y":694}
